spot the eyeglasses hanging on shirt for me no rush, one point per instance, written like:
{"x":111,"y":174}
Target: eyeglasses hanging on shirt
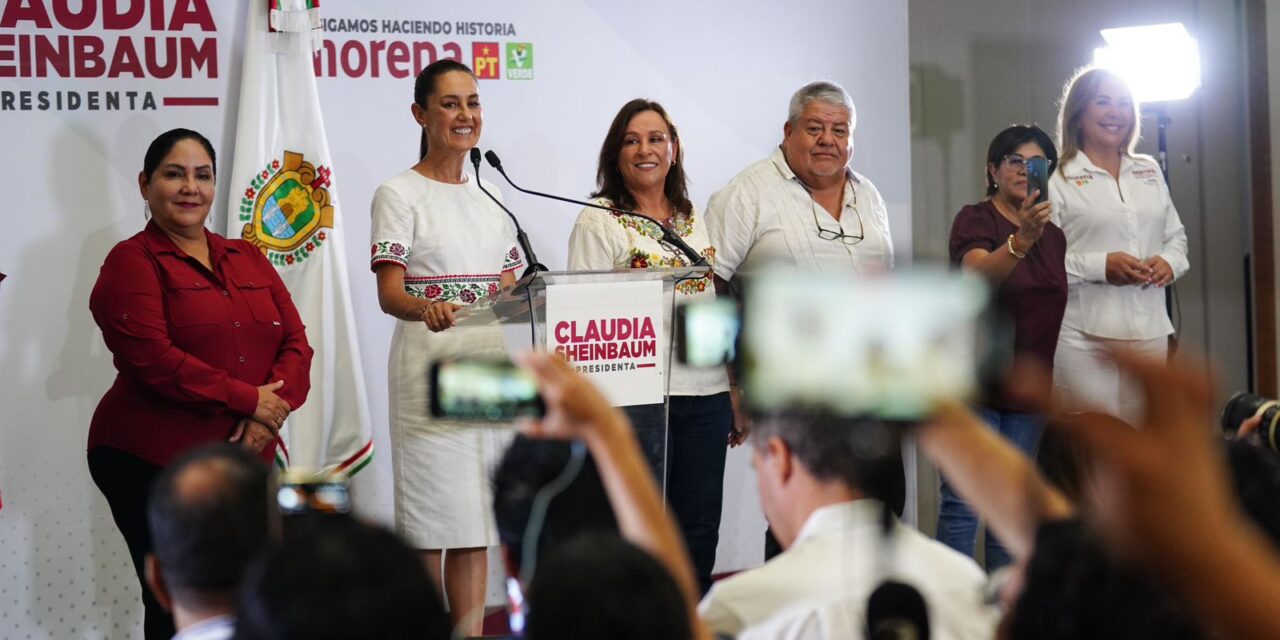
{"x":841,"y":236}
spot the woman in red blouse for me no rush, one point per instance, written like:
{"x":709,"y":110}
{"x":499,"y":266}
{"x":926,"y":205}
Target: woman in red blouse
{"x":204,"y":335}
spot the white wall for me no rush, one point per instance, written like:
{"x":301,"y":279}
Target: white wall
{"x":723,"y":69}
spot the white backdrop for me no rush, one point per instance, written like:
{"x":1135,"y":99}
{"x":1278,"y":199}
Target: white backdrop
{"x":723,"y":69}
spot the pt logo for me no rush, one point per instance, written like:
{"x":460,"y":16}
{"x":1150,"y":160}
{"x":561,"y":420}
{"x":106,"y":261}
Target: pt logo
{"x":286,"y":208}
{"x":519,"y":60}
{"x":484,"y":60}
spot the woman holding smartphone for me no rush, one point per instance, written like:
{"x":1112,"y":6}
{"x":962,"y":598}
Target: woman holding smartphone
{"x":641,"y":168}
{"x":1009,"y":239}
{"x":1125,"y":243}
{"x":439,"y":243}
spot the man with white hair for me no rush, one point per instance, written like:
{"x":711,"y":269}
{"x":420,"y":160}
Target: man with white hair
{"x":803,"y":205}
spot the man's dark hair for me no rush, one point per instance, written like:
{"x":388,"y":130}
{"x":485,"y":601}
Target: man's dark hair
{"x":1074,"y":589}
{"x":598,"y":585}
{"x":526,"y":467}
{"x":854,"y":451}
{"x":336,"y":579}
{"x":209,"y":517}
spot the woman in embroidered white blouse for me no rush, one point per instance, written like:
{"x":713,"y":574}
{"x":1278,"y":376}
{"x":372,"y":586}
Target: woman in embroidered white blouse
{"x":641,"y":168}
{"x":1125,"y":243}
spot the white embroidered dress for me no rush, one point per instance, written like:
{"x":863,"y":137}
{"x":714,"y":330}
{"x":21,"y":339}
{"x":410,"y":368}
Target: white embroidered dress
{"x":454,"y":243}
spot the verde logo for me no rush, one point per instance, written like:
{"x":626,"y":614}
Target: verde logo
{"x":519,"y":60}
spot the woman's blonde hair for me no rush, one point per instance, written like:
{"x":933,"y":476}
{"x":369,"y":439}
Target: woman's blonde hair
{"x":1076,"y":95}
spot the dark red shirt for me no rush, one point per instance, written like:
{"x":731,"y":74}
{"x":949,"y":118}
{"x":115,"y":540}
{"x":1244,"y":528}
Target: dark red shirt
{"x":191,"y":346}
{"x":1034,"y":293}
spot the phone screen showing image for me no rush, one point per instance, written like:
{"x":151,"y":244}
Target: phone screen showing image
{"x":707,"y":333}
{"x":483,"y":390}
{"x":887,"y":347}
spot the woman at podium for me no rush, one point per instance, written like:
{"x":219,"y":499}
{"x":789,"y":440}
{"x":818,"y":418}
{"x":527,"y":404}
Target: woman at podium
{"x":641,"y":168}
{"x":439,"y":243}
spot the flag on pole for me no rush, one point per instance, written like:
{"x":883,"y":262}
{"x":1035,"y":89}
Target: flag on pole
{"x":284,"y":202}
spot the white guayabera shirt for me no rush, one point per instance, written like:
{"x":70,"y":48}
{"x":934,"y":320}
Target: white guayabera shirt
{"x":765,"y":215}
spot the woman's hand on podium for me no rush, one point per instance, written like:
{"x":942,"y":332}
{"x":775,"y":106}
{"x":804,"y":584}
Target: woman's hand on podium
{"x":439,"y":315}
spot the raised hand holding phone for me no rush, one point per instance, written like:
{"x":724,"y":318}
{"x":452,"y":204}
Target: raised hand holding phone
{"x":1038,"y":178}
{"x":1033,"y":215}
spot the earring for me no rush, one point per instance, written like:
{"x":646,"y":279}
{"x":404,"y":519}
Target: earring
{"x":146,"y":210}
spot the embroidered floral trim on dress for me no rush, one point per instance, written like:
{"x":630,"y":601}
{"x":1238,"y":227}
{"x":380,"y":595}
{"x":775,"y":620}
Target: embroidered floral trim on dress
{"x":389,"y":252}
{"x":461,"y":289}
{"x":512,"y":260}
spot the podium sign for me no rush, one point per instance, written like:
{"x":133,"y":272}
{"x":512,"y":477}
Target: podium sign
{"x":612,"y":333}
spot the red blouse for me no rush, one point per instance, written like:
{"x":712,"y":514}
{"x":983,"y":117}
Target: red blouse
{"x":191,"y":346}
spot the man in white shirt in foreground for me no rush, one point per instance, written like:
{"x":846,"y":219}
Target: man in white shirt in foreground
{"x":808,"y":476}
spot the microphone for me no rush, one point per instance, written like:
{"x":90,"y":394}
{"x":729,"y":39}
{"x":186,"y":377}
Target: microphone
{"x":521,"y":237}
{"x":896,"y":611}
{"x":668,"y":236}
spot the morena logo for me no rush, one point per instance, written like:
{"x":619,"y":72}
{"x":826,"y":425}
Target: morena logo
{"x":403,"y":58}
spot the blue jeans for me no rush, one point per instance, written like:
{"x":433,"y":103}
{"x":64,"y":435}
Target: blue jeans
{"x":697,"y":439}
{"x":957,"y":524}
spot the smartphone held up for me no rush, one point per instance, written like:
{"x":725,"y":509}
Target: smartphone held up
{"x":1038,"y":177}
{"x":888,"y":346}
{"x":487,"y":390}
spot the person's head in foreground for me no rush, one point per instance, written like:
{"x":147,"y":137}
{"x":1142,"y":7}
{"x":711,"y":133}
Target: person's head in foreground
{"x":339,"y":579}
{"x":598,"y":585}
{"x":527,"y":467}
{"x":209,"y":517}
{"x":800,"y":462}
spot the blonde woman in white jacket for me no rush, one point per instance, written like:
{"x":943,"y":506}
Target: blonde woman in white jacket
{"x":1125,"y":243}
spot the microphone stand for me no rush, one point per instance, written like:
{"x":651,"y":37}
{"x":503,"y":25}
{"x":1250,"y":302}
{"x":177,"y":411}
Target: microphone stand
{"x":522,"y":238}
{"x":668,"y":236}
